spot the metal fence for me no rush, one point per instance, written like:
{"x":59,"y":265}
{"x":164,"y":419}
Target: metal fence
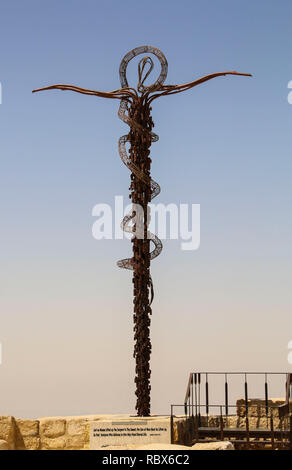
{"x":251,"y":421}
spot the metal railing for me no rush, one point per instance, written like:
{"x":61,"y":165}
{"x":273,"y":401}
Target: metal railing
{"x":195,"y":382}
{"x":238,"y":422}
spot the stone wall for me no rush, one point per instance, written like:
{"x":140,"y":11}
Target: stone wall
{"x":257,"y":415}
{"x":57,"y":433}
{"x":72,"y":432}
{"x":62,"y":433}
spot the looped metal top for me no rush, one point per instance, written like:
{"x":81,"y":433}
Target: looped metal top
{"x":141,"y":66}
{"x":142,"y":50}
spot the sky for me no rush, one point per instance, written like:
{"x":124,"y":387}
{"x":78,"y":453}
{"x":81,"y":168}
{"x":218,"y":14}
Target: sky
{"x":66,"y":309}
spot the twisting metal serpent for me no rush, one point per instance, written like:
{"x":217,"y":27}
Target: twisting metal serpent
{"x":135,"y":110}
{"x":123,"y":114}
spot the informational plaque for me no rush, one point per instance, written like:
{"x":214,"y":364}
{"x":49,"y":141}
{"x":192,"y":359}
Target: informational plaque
{"x":129,"y":432}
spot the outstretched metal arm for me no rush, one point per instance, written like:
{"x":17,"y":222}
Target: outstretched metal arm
{"x":172,"y":89}
{"x":122,"y":93}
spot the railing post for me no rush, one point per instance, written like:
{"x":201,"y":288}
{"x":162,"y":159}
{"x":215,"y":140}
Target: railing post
{"x":199,"y":397}
{"x":192,"y":393}
{"x":196,"y":429}
{"x":196,"y":395}
{"x":288,"y":386}
{"x":272,"y":429}
{"x":171,"y":425}
{"x":188,"y":395}
{"x":221,"y":425}
{"x":245,"y":391}
{"x":247,"y":426}
{"x":207,"y":395}
{"x":266,"y":395}
{"x":226,"y":395}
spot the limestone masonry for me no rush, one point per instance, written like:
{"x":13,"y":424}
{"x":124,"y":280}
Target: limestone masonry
{"x":59,"y":433}
{"x":73,"y":432}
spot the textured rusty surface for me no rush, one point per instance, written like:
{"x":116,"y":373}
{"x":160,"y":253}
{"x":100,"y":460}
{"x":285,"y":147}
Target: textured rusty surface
{"x":141,"y":194}
{"x":135,"y":110}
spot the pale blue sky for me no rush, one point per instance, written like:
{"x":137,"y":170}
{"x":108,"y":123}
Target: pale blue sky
{"x":66,"y":310}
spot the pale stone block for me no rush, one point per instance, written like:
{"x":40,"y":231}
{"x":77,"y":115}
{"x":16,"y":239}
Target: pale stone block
{"x":28,"y":427}
{"x":58,"y":443}
{"x":7,"y":430}
{"x":31,"y":443}
{"x":87,"y":436}
{"x":75,"y":442}
{"x":52,"y":427}
{"x":225,"y":445}
{"x":76,"y":427}
{"x":4,"y":445}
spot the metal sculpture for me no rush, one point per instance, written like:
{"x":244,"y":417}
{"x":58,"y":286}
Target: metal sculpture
{"x":135,"y":110}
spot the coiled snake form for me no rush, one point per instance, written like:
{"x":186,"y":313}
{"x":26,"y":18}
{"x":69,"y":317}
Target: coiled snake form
{"x":135,"y":111}
{"x":124,"y":115}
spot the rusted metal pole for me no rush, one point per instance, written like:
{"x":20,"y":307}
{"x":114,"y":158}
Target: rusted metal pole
{"x":141,"y":195}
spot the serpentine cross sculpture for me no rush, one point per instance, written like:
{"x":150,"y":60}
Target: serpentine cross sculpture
{"x":135,"y":111}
